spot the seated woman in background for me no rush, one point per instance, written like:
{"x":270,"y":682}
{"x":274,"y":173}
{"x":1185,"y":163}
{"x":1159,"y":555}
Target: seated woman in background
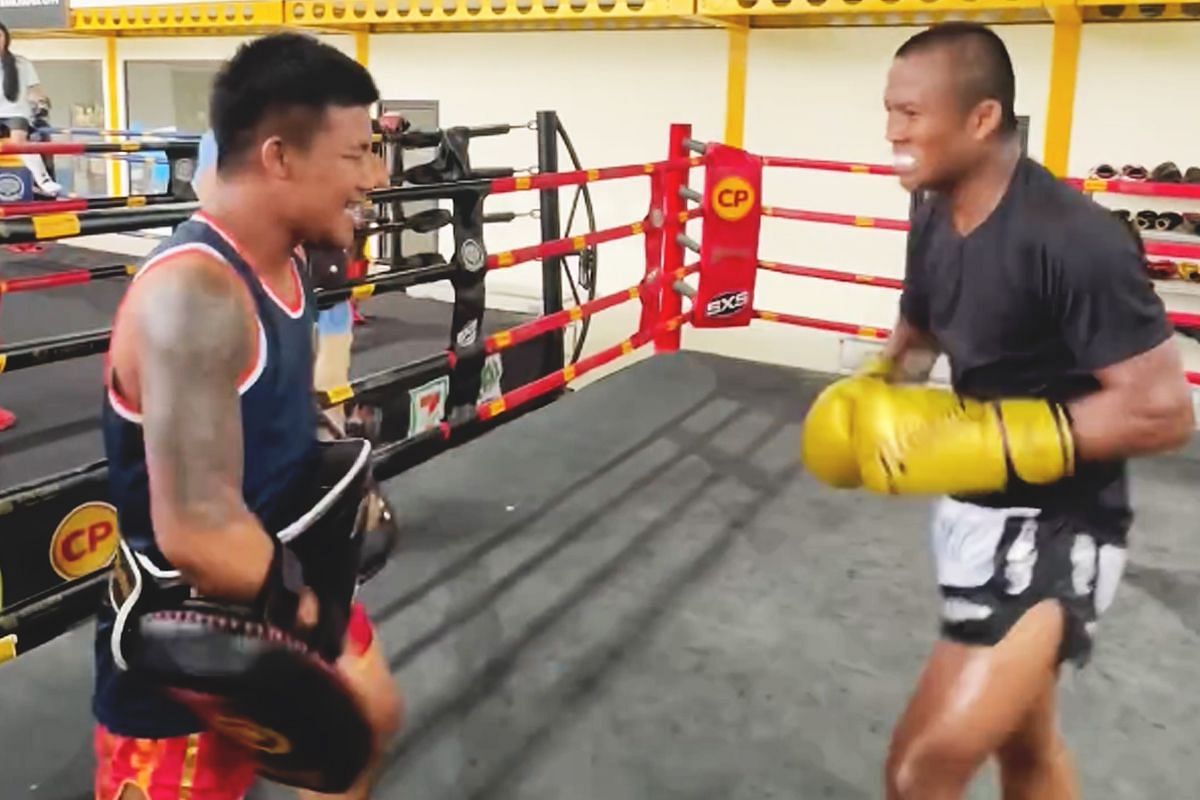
{"x":19,"y":90}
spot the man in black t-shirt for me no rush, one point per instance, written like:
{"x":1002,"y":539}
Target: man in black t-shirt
{"x":1062,"y":365}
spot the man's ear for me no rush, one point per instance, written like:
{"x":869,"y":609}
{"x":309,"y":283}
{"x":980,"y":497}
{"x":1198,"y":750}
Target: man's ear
{"x":272,"y":155}
{"x":985,"y":119}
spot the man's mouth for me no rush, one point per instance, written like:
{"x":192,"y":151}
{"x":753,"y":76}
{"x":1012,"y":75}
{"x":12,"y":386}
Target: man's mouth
{"x":904,"y":162}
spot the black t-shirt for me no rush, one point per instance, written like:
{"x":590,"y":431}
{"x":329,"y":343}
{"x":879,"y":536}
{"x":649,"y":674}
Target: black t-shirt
{"x":1047,"y":290}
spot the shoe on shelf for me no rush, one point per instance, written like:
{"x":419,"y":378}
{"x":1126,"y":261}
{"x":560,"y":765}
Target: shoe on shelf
{"x":1166,"y":172}
{"x":7,"y":419}
{"x":47,"y":188}
{"x":1134,"y":172}
{"x":1168,"y":221}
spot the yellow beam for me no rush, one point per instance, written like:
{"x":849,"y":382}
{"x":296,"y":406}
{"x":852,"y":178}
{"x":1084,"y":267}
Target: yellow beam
{"x":112,"y":108}
{"x":362,"y":47}
{"x":1060,"y":111}
{"x":1064,"y":10}
{"x":735,"y":85}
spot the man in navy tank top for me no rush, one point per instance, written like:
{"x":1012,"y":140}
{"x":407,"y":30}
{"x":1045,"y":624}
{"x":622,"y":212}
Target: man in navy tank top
{"x":209,"y":422}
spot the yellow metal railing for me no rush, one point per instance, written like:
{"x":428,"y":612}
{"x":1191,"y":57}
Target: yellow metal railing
{"x":381,"y":15}
{"x":425,"y":13}
{"x":228,"y":17}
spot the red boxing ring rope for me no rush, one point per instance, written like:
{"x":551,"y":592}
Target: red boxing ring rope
{"x":827,"y":166}
{"x":502,"y":340}
{"x":35,"y":208}
{"x":1178,"y":318}
{"x":558,"y":379}
{"x":83,"y":148}
{"x":72,"y":277}
{"x":823,"y":324}
{"x":1087,"y":185}
{"x":561,"y":247}
{"x":1138,"y":188}
{"x":1166,"y":249}
{"x":831,"y":275}
{"x":557,"y":180}
{"x":835,"y":219}
{"x":572,"y":244}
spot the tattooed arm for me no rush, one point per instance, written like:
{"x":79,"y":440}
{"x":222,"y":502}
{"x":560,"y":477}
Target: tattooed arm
{"x":195,"y":336}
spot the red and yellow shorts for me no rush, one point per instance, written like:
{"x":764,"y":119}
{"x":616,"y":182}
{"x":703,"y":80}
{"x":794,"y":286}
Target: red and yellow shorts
{"x":198,"y":766}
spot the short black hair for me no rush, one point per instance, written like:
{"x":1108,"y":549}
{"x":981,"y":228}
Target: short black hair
{"x":981,"y":61}
{"x":284,"y":82}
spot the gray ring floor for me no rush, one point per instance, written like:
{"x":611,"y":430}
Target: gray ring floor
{"x":636,"y":592}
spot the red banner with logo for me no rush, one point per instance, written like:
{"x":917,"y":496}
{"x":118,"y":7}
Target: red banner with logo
{"x":729,"y":250}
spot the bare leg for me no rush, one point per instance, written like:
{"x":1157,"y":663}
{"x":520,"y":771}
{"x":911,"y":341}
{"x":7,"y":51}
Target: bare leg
{"x":1034,"y":762}
{"x":968,"y":703}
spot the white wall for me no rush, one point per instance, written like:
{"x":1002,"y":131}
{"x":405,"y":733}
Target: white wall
{"x":189,"y":48}
{"x":1132,"y":102}
{"x":616,"y":92}
{"x":60,"y":49}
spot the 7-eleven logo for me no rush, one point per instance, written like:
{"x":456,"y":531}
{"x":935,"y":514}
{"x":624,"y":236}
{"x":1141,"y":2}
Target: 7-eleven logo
{"x":427,"y":405}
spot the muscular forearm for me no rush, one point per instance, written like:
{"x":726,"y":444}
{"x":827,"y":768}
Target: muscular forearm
{"x":1122,"y":423}
{"x":911,"y":352}
{"x":229,"y":561}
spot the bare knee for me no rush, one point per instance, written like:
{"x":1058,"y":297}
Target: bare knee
{"x":1031,"y":754}
{"x":931,"y":769}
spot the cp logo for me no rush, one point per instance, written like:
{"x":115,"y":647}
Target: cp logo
{"x":732,"y":198}
{"x":252,"y":735}
{"x":726,"y":304}
{"x":85,"y":541}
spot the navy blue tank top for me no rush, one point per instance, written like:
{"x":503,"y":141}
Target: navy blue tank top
{"x":279,"y":422}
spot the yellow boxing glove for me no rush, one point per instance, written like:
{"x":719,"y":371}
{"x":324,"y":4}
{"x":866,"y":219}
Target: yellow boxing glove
{"x":827,"y":447}
{"x":827,"y":442}
{"x":919,"y":440}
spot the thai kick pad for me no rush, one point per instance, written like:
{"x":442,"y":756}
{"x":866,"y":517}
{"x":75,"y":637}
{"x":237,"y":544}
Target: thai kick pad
{"x":262,"y":689}
{"x":729,"y":250}
{"x":273,"y":691}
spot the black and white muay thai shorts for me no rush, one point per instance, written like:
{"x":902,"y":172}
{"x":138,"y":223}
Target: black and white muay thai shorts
{"x":994,"y":564}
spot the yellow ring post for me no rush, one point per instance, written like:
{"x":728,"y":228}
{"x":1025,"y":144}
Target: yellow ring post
{"x":112,"y":108}
{"x":362,"y":47}
{"x":735,"y":85}
{"x":1064,"y":69}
